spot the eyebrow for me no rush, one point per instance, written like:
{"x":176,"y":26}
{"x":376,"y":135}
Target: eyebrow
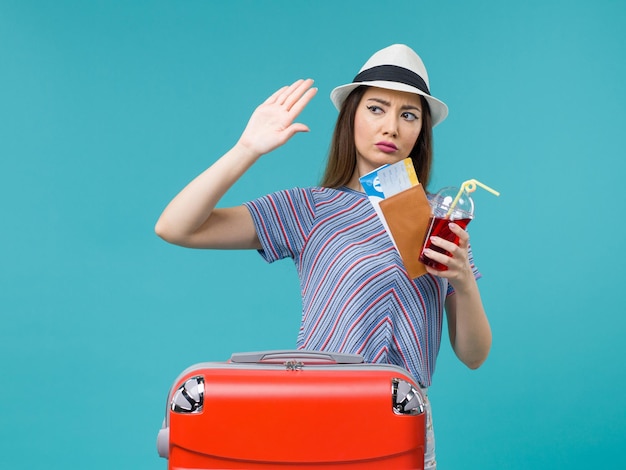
{"x":403,"y":107}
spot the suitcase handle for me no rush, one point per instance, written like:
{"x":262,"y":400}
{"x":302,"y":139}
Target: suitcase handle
{"x":297,"y":355}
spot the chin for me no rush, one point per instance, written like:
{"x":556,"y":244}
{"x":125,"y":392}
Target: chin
{"x":389,"y":158}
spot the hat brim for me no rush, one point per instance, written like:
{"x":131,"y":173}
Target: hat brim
{"x":438,"y":109}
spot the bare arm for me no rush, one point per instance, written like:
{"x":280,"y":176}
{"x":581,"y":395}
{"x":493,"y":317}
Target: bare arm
{"x":468,"y":326}
{"x":191,"y":218}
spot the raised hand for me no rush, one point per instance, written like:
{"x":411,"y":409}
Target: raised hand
{"x":191,"y":219}
{"x":272,"y":123}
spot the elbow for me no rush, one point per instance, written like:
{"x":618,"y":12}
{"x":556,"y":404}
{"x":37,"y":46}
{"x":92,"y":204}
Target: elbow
{"x":170,"y":233}
{"x":474,"y":364}
{"x":160,"y":230}
{"x":165,"y":232}
{"x":477,"y":359}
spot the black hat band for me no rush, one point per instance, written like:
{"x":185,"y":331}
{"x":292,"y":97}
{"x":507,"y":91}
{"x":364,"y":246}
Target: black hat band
{"x":392,"y":73}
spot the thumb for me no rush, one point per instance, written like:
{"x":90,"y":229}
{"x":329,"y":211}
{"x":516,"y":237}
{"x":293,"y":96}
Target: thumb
{"x":295,"y":128}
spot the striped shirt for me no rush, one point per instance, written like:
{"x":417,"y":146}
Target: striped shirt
{"x":356,"y":295}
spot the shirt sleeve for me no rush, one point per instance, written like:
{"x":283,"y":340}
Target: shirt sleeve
{"x":282,"y":221}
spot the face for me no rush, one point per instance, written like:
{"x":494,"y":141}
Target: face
{"x":387,"y":124}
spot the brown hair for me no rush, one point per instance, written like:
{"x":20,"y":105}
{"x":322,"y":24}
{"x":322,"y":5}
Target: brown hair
{"x":342,"y":153}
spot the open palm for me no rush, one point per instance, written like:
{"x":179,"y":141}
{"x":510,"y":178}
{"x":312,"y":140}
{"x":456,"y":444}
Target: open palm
{"x":272,"y":123}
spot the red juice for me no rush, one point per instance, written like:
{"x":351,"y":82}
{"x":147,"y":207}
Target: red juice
{"x":439,"y":227}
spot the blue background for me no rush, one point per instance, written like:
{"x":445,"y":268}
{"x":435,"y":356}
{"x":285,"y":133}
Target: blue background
{"x":108,"y":108}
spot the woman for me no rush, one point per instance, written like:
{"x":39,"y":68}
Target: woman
{"x":357,"y":296}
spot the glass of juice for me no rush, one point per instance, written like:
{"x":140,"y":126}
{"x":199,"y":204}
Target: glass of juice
{"x":444,"y":211}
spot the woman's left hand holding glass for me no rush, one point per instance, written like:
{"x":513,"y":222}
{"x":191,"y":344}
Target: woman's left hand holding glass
{"x":459,"y":269}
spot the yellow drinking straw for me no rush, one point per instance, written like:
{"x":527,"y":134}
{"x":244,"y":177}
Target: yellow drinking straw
{"x":469,"y":186}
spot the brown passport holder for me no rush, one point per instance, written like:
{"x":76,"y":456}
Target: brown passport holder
{"x":407,"y":215}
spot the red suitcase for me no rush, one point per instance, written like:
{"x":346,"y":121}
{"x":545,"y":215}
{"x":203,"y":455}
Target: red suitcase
{"x":294,"y":409}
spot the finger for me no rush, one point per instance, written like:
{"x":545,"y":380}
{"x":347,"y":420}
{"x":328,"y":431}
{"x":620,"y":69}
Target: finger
{"x":441,"y":258}
{"x":275,"y":95}
{"x":302,"y":103}
{"x":459,"y":232}
{"x":436,"y":272}
{"x":287,"y":91}
{"x":443,"y":243}
{"x":296,"y":95}
{"x":294,"y":129}
{"x":455,"y":265}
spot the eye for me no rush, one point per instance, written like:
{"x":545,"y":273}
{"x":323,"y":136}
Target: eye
{"x":409,"y":116}
{"x":375,"y":109}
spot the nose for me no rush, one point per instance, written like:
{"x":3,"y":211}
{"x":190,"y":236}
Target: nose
{"x":391,"y":126}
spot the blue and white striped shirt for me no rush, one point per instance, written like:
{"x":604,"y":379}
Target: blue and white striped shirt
{"x":356,"y":295}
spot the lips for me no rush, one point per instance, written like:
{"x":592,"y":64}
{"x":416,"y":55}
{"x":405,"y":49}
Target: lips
{"x":387,"y":147}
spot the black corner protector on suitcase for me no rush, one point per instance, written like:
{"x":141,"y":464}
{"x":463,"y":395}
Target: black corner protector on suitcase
{"x":407,"y":399}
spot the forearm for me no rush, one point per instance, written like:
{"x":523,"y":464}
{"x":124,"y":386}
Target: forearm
{"x":470,"y":333}
{"x":192,"y":207}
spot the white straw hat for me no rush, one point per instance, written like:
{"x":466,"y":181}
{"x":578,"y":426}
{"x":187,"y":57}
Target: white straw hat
{"x":396,"y":67}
